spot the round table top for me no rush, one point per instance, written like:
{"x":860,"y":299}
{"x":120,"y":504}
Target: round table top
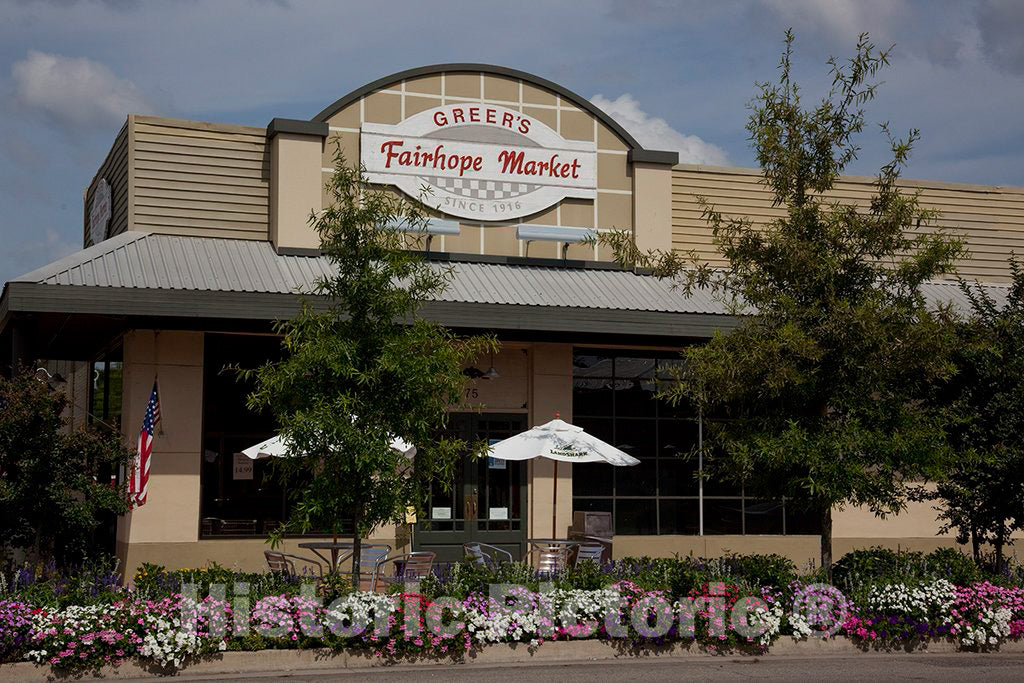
{"x":325,"y":545}
{"x":552,"y":541}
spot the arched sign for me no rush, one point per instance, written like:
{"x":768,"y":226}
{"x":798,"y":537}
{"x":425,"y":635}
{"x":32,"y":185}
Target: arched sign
{"x":481,"y":162}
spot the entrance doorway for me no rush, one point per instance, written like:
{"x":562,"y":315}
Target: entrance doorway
{"x":487,"y":500}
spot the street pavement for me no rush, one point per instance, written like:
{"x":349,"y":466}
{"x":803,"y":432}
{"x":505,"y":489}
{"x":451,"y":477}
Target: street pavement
{"x":867,"y":667}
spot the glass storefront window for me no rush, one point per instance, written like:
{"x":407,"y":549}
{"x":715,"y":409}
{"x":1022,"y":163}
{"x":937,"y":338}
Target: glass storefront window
{"x":105,"y":389}
{"x":238,"y":496}
{"x":614,"y":399}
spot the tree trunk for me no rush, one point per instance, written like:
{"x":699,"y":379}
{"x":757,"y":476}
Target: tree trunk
{"x":975,"y":545}
{"x":1000,"y":539}
{"x":357,"y":544}
{"x":826,"y":540}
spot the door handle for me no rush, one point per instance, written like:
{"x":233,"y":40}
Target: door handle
{"x":471,"y":506}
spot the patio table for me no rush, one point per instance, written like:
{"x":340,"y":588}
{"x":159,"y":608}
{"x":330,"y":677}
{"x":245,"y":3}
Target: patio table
{"x":335,"y":548}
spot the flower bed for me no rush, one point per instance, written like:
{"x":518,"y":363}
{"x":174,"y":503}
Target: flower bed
{"x":711,"y":606}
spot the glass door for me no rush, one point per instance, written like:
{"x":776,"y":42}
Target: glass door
{"x":487,"y":500}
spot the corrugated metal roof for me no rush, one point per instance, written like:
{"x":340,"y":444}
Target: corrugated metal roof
{"x":149,"y":261}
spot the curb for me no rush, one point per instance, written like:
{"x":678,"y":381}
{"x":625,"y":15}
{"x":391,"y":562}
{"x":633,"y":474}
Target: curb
{"x":286,"y":661}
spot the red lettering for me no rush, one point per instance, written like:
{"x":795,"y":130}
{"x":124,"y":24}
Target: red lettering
{"x":575,"y":168}
{"x":389,"y":149}
{"x":524,"y":126}
{"x":492,"y":116}
{"x":440,"y":119}
{"x":458,"y":116}
{"x":474,"y":114}
{"x":511,"y":162}
{"x":478,"y":163}
{"x":506,"y":119}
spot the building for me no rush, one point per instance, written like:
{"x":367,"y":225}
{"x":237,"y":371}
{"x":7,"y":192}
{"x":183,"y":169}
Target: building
{"x":196,"y":238}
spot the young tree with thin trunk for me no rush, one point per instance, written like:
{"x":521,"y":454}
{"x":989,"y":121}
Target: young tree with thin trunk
{"x":983,"y":496}
{"x":365,"y":368}
{"x":55,"y":478}
{"x":816,"y":395}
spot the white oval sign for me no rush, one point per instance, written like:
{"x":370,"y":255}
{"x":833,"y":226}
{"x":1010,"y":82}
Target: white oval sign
{"x":480,"y":162}
{"x":99,"y":212}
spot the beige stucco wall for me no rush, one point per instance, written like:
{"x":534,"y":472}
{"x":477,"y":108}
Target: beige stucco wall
{"x":550,"y":394}
{"x":295,"y":189}
{"x":175,"y":358}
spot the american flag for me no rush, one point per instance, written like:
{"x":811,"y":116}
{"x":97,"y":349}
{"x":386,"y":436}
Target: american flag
{"x":138,"y":487}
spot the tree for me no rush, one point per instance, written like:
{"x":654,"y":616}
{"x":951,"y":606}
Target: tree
{"x":983,"y":496}
{"x":816,"y":395}
{"x":55,"y":481}
{"x":365,"y":369}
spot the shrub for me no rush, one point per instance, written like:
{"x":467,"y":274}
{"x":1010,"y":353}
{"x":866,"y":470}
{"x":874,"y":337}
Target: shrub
{"x":877,"y":563}
{"x":953,"y":565}
{"x":763,"y":571}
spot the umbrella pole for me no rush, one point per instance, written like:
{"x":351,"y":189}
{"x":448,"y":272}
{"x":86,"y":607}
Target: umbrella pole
{"x":554,"y":504}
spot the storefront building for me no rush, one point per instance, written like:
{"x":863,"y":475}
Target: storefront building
{"x":196,"y":238}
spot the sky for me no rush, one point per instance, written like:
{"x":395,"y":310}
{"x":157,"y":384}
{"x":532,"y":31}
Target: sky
{"x":677,"y":74}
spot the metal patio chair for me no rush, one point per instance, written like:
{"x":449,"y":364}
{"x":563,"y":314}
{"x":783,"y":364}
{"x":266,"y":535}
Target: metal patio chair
{"x":486,"y":555}
{"x":409,"y":567}
{"x":589,"y":552}
{"x":284,"y":563}
{"x":548,"y":560}
{"x":371,"y":557}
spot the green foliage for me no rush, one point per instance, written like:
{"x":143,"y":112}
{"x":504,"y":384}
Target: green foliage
{"x":54,"y":480}
{"x":818,"y":394}
{"x":877,"y":563}
{"x":953,"y":565}
{"x":364,"y":368}
{"x":95,"y":581}
{"x":983,"y":496}
{"x":584,"y":576}
{"x":155,"y":581}
{"x":763,"y":570}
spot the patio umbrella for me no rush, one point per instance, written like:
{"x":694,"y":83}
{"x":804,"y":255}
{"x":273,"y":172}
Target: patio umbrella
{"x":559,"y":441}
{"x":277,"y":448}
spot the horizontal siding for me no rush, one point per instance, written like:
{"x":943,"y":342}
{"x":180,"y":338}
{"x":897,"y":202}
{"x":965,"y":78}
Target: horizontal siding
{"x":115,"y":169}
{"x":200,"y":179}
{"x":989,"y":219}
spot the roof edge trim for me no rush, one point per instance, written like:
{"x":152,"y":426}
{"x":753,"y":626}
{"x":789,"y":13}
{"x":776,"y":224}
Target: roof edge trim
{"x":579,"y":101}
{"x":296,"y":127}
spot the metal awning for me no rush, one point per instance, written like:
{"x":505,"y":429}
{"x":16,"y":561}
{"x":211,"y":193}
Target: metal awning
{"x":137,"y":273}
{"x":180,"y":276}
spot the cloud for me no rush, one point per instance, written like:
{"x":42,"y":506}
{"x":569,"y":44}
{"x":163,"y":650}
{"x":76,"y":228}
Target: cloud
{"x":26,"y":254}
{"x":75,"y":93}
{"x":841,"y":20}
{"x":655,"y":133}
{"x":1000,"y":34}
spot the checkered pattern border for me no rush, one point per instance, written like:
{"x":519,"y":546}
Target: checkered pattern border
{"x":482,"y":189}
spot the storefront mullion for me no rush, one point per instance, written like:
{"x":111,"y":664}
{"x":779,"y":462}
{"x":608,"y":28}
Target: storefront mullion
{"x":614,"y":398}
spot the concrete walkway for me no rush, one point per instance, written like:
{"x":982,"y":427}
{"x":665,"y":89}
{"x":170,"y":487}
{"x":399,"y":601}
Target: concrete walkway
{"x":869,"y":668}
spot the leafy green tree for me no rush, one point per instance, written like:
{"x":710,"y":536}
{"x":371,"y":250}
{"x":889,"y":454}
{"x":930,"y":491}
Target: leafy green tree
{"x":817,"y":394}
{"x":983,"y":496}
{"x":55,"y":481}
{"x":364,"y":369}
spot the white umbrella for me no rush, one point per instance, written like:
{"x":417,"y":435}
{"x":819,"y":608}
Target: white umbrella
{"x":559,"y":441}
{"x":278,"y":448}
